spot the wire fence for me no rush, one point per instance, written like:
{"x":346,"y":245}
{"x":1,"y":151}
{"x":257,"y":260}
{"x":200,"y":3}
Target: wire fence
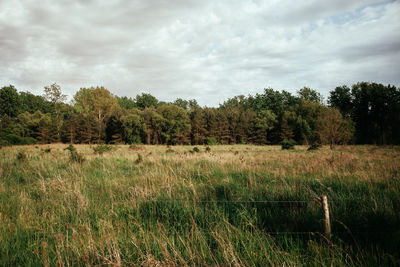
{"x":325,"y":229}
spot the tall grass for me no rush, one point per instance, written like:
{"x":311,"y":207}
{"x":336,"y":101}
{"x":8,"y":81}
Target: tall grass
{"x":205,"y":208}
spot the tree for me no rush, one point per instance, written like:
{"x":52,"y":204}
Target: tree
{"x":304,"y":119}
{"x":126,"y":103}
{"x":133,"y":126}
{"x":146,"y":100}
{"x":54,"y":95}
{"x":9,"y":101}
{"x":154,"y":125}
{"x":262,"y":123}
{"x":198,"y":130}
{"x":341,"y":99}
{"x":176,"y":124}
{"x":98,"y":102}
{"x":306,"y":93}
{"x":32,"y":103}
{"x":333,"y":129}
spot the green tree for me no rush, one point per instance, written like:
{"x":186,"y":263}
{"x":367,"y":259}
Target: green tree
{"x":126,"y":103}
{"x":146,"y":100}
{"x":333,"y":128}
{"x":97,"y":102}
{"x":134,"y":127}
{"x":306,"y":93}
{"x":261,"y":125}
{"x":54,"y":95}
{"x":198,"y":126}
{"x":341,"y":98}
{"x":154,"y":125}
{"x":176,"y":124}
{"x":9,"y":101}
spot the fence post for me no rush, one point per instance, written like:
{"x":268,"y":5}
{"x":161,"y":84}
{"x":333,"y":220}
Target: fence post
{"x":327,"y":223}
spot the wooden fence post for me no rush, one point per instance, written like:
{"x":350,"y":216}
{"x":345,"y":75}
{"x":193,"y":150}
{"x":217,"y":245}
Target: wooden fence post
{"x":327,"y":223}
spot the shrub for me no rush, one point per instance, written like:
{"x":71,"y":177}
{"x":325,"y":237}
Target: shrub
{"x":208,"y":149}
{"x":211,"y":141}
{"x":70,"y":148}
{"x":314,"y":146}
{"x":14,"y":139}
{"x":139,"y":159}
{"x":74,"y":155}
{"x":100,"y":149}
{"x":21,"y":156}
{"x":288,"y":144}
{"x":196,"y":149}
{"x":47,"y":150}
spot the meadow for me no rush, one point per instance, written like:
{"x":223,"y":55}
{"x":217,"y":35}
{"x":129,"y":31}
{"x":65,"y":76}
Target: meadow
{"x":236,"y":205}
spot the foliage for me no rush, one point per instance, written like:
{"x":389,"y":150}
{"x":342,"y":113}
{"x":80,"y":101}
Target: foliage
{"x":146,"y":101}
{"x":176,"y":124}
{"x":134,"y":127}
{"x":369,"y":115}
{"x":21,"y":156}
{"x":314,"y":146}
{"x":74,"y":156}
{"x":196,"y":149}
{"x":100,"y":149}
{"x":208,"y":149}
{"x":139,"y":158}
{"x":288,"y":144}
{"x":311,"y":95}
{"x":333,"y":129}
{"x":211,"y":141}
{"x":9,"y":101}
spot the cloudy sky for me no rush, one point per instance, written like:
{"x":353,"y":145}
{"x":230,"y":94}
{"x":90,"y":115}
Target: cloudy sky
{"x":203,"y":49}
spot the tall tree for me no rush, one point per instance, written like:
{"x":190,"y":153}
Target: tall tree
{"x":54,"y":95}
{"x":306,"y":93}
{"x":9,"y":101}
{"x":341,"y":99}
{"x":333,"y":128}
{"x":198,"y":123}
{"x":134,"y":127}
{"x":98,"y":102}
{"x":154,"y":125}
{"x":176,"y":126}
{"x":146,"y":100}
{"x":261,"y":125}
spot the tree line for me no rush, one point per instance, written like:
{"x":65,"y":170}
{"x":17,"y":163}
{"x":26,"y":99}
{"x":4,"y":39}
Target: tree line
{"x":365,"y":113}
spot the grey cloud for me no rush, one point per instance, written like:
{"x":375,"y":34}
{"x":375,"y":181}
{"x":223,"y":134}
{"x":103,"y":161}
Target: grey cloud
{"x":208,"y":50}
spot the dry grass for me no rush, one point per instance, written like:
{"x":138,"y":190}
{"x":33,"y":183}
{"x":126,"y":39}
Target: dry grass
{"x":113,"y":210}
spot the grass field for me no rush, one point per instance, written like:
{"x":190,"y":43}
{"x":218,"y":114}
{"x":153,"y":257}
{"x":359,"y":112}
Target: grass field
{"x":172,"y":207}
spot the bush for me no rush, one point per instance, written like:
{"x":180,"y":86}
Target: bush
{"x":196,"y":149}
{"x":314,"y":146}
{"x":47,"y":150}
{"x":211,"y":141}
{"x":21,"y":156}
{"x":13,"y":139}
{"x":288,"y":144}
{"x":208,"y":149}
{"x":100,"y":149}
{"x":139,"y":159}
{"x":74,"y":155}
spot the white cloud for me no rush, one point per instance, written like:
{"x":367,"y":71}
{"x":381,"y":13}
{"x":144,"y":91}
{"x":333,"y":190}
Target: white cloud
{"x":207,"y":50}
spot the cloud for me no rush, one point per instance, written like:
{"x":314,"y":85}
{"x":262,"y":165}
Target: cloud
{"x":207,"y":50}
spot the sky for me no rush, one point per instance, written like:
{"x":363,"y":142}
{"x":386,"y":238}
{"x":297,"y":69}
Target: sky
{"x":208,"y":50}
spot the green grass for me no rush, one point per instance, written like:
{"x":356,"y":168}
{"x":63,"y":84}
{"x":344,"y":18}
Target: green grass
{"x":203,"y":208}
